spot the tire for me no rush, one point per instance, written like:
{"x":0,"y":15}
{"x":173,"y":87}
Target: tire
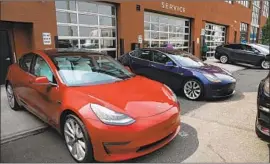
{"x":264,"y":64}
{"x":224,"y":59}
{"x":193,"y":89}
{"x":12,"y":100}
{"x":81,"y":138}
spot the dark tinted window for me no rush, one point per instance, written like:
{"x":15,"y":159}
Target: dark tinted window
{"x":247,"y":48}
{"x":25,"y":62}
{"x":160,"y":57}
{"x":234,"y":46}
{"x":143,"y":54}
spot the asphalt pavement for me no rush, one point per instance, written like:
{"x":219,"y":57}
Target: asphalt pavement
{"x":212,"y":131}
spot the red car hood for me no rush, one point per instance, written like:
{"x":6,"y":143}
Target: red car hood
{"x":136,"y":97}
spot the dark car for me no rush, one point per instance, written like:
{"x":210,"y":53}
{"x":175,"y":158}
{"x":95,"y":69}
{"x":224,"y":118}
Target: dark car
{"x":181,"y":71}
{"x":263,"y":105}
{"x":243,"y":53}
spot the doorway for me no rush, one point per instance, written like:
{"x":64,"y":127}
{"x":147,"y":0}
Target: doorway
{"x":5,"y":55}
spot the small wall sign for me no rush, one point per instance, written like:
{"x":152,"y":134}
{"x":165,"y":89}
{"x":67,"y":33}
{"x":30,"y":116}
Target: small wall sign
{"x":140,"y":40}
{"x":46,"y":38}
{"x":169,"y":6}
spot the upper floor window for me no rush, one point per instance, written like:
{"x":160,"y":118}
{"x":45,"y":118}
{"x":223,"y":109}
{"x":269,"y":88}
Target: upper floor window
{"x":266,"y":9}
{"x":255,"y":13}
{"x":244,"y":3}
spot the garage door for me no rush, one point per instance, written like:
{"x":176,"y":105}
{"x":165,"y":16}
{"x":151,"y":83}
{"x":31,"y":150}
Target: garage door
{"x":88,"y":25}
{"x":214,"y":36}
{"x":159,"y":30}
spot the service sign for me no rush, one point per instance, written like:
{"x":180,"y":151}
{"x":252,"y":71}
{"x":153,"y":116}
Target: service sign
{"x":169,"y":6}
{"x":46,"y":38}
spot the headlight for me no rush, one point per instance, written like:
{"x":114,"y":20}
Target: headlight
{"x":111,"y":117}
{"x":173,"y":97}
{"x":212,"y":78}
{"x":266,"y":87}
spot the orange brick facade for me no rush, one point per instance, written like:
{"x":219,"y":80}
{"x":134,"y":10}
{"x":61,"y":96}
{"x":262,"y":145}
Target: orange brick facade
{"x":30,"y":19}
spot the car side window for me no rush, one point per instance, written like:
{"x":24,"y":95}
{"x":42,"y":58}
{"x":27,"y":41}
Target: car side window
{"x":247,"y":48}
{"x":25,"y":62}
{"x":41,"y":68}
{"x":159,"y":57}
{"x":143,"y":54}
{"x":234,"y":46}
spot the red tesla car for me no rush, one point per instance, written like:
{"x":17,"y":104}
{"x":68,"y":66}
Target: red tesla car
{"x":104,"y":112}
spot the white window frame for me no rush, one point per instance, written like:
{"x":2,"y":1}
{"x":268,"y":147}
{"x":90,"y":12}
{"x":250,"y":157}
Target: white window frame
{"x":266,"y":8}
{"x":244,"y":3}
{"x":98,"y":26}
{"x":172,"y":41}
{"x":214,"y":43}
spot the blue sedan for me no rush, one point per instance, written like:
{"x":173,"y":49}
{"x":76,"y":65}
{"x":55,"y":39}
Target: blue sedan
{"x":181,"y":71}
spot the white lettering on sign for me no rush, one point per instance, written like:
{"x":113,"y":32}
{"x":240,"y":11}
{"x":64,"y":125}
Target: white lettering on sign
{"x":168,"y":6}
{"x":46,"y":38}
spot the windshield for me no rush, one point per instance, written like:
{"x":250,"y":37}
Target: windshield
{"x":261,"y":48}
{"x":187,"y":60}
{"x":85,"y":70}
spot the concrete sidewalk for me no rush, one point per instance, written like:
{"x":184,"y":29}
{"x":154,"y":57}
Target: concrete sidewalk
{"x":17,"y":124}
{"x":229,"y":67}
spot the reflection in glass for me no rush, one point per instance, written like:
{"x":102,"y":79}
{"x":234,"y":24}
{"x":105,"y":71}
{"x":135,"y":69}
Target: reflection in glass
{"x":106,"y":10}
{"x":88,"y":19}
{"x":163,"y":28}
{"x":146,"y":17}
{"x":67,"y":31}
{"x":89,"y":43}
{"x":154,"y":44}
{"x":87,"y":7}
{"x":163,"y":35}
{"x":67,"y":5}
{"x":67,"y":43}
{"x":146,"y":44}
{"x":154,"y":27}
{"x":107,"y":32}
{"x":66,"y":17}
{"x":106,"y":43}
{"x":146,"y":35}
{"x":88,"y":32}
{"x":163,"y":43}
{"x":154,"y":35}
{"x":146,"y":26}
{"x":107,"y":21}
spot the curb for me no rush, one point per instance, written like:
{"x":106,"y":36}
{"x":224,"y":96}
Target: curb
{"x":22,"y":134}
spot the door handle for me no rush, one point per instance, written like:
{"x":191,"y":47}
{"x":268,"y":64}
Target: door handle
{"x":132,"y":61}
{"x":7,"y":59}
{"x":152,"y":65}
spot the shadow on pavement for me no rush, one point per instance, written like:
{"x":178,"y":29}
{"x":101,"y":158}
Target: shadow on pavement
{"x":182,"y":147}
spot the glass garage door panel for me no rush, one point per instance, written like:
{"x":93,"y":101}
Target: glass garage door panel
{"x":214,"y":36}
{"x":160,"y":30}
{"x":87,"y":25}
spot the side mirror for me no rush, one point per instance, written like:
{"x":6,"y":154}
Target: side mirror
{"x":42,"y":81}
{"x":169,"y":64}
{"x":267,"y":57}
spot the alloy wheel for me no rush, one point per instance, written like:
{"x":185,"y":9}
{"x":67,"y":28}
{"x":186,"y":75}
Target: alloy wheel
{"x":192,"y":90}
{"x":75,"y":139}
{"x":10,"y":96}
{"x":223,"y":59}
{"x":265,"y":64}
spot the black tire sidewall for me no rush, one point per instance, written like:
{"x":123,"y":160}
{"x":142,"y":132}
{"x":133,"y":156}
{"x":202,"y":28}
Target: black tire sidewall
{"x":89,"y":155}
{"x":201,"y":86}
{"x":16,"y":105}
